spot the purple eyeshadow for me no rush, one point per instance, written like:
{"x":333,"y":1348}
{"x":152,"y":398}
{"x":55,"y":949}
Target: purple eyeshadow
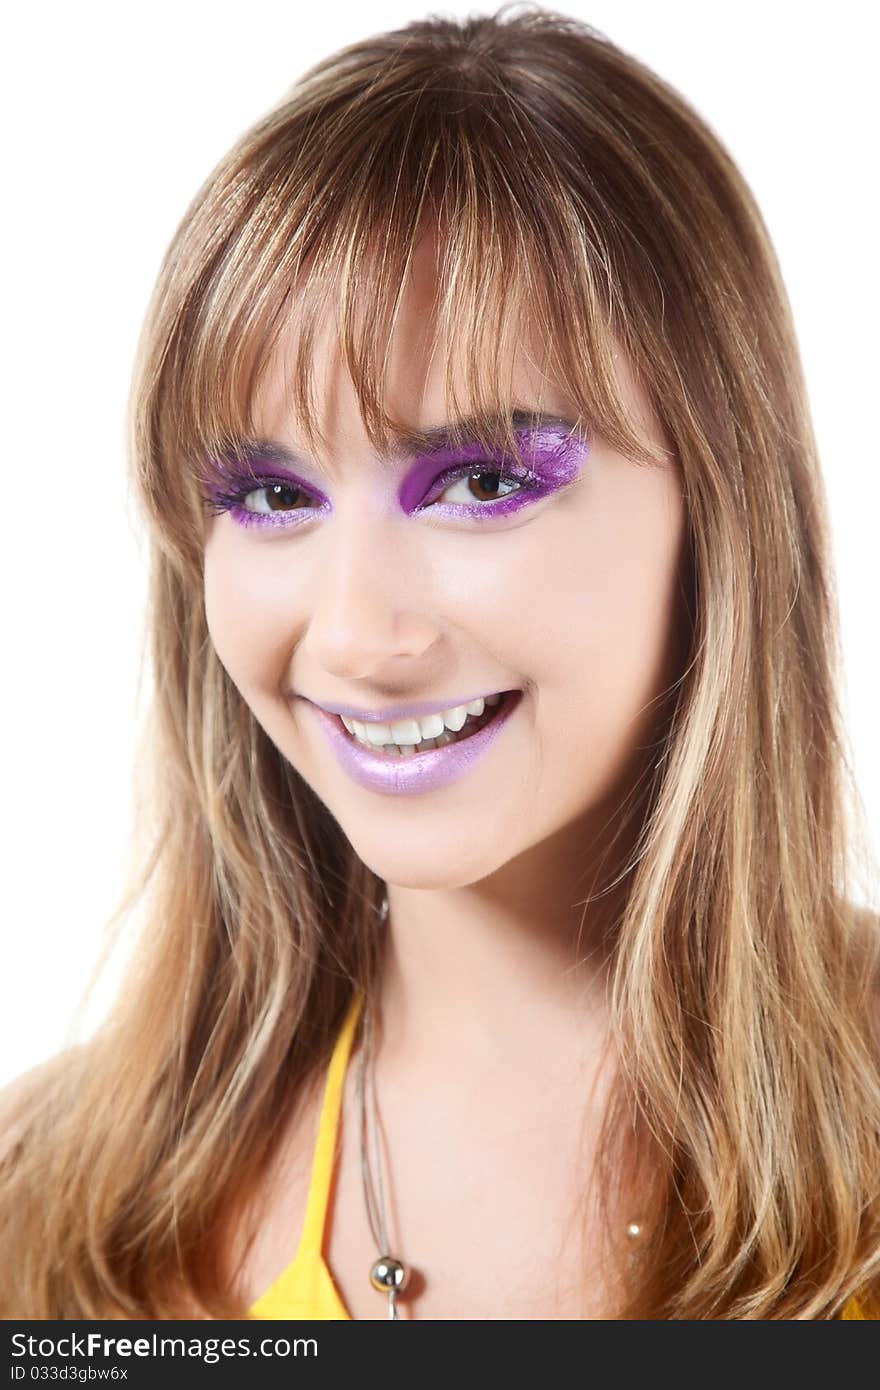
{"x":552,"y":459}
{"x":230,"y":482}
{"x":228,"y":474}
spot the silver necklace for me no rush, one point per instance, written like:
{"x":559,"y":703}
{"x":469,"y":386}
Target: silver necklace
{"x":388,"y":1274}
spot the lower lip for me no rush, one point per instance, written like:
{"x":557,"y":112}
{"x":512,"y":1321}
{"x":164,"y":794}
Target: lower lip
{"x":419,"y":772}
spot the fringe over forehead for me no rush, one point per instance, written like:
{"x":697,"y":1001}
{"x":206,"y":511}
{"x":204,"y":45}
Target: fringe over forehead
{"x":316,"y":212}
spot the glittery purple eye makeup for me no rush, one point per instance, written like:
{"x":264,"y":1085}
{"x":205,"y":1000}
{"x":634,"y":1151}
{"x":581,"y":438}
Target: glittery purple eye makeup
{"x":552,"y":459}
{"x":283,"y":499}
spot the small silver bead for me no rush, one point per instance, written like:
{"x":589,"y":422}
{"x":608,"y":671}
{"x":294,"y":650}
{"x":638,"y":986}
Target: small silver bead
{"x":388,"y":1273}
{"x":634,"y":1230}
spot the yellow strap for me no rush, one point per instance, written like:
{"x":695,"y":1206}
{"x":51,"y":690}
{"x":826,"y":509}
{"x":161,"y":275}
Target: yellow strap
{"x":328,"y":1130}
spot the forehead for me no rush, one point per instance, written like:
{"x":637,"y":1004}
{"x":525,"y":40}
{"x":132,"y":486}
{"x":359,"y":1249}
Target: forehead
{"x":343,"y":372}
{"x":424,"y":392}
{"x":429,"y":370}
{"x":429,"y":418}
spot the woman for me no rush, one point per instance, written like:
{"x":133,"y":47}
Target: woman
{"x":499,"y":959}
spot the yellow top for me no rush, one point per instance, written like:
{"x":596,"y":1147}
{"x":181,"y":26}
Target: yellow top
{"x":305,"y":1289}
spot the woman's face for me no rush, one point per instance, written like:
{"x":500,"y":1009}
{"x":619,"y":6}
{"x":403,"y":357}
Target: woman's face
{"x":388,"y":585}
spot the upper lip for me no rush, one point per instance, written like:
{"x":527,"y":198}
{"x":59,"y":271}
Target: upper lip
{"x":386,"y":716}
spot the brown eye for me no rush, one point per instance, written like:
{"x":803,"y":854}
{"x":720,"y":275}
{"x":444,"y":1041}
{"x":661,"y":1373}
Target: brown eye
{"x":277,"y":497}
{"x":478,"y":485}
{"x":490,"y":490}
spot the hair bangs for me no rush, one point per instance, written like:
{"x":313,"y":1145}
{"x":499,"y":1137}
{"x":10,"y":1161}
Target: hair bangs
{"x":270,"y":253}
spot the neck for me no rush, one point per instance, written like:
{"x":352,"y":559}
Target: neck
{"x":511,"y":971}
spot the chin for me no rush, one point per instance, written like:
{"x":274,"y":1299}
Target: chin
{"x":432,"y":869}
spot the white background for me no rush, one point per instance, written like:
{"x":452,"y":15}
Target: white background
{"x":112,"y":117}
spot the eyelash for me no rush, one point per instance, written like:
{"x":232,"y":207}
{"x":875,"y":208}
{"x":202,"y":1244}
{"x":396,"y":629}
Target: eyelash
{"x":232,"y":500}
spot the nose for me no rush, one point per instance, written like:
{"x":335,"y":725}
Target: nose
{"x":371,"y":607}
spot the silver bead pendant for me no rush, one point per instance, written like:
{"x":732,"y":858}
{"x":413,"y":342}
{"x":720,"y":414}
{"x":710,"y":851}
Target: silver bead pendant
{"x":388,"y":1275}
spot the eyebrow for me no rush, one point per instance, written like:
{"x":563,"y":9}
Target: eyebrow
{"x":410,"y":442}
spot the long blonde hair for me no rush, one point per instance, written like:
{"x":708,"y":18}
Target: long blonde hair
{"x":576,"y":191}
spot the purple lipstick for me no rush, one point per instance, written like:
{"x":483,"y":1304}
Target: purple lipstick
{"x":410,"y":774}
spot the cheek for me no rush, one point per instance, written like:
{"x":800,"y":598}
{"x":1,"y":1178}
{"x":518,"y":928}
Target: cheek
{"x":603,"y":607}
{"x":244,"y":610}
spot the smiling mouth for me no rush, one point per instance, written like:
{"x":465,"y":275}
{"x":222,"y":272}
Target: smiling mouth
{"x":472,"y":725}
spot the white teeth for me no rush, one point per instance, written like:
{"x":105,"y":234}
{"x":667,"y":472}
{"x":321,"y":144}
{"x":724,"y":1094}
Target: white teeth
{"x":411,"y":735}
{"x":454,"y":718}
{"x":377,"y":734}
{"x":405,"y":731}
{"x":431,"y":726}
